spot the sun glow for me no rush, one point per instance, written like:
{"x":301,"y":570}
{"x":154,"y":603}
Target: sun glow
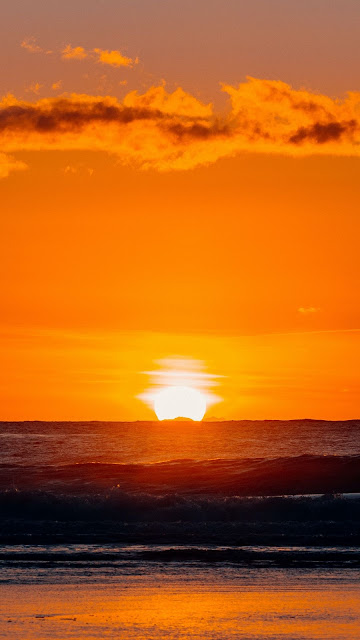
{"x":180,"y":387}
{"x":179,"y":402}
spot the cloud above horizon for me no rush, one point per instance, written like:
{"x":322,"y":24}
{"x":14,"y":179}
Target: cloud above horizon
{"x":31,"y":45}
{"x":113,"y":58}
{"x":9,"y":164}
{"x":167,"y":131}
{"x":308,"y":310}
{"x":73,"y":53}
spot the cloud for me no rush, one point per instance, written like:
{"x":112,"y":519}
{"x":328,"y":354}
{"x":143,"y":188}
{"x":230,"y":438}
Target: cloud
{"x":56,"y":85}
{"x":31,"y":45}
{"x":71,"y":169}
{"x":114,"y":58}
{"x":163,"y":130}
{"x":179,"y":103}
{"x":321,"y":133}
{"x":181,"y":372}
{"x":308,"y":310}
{"x":103,"y":56}
{"x":73,"y":53}
{"x":9,"y":164}
{"x":34,"y":88}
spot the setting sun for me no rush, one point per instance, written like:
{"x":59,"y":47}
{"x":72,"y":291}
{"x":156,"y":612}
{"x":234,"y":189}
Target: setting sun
{"x":179,"y":402}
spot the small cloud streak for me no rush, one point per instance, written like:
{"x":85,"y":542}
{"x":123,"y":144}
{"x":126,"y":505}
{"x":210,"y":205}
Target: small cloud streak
{"x":9,"y":164}
{"x":72,"y":170}
{"x":30,"y":44}
{"x":181,"y":372}
{"x":176,"y":131}
{"x":308,"y":310}
{"x":73,"y":53}
{"x":114,"y":58}
{"x":56,"y":85}
{"x":35,"y":88}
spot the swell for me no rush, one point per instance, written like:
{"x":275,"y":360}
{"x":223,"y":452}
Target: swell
{"x":305,"y":474}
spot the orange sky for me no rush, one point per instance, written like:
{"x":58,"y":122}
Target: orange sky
{"x":180,"y":220}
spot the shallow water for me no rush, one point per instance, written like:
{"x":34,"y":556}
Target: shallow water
{"x":162,"y":601}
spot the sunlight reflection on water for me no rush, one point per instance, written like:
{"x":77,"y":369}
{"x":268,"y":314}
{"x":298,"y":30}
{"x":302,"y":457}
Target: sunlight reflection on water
{"x":170,"y":603}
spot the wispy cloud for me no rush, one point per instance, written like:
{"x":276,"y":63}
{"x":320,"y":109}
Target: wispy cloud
{"x":175,"y":130}
{"x":74,"y":53}
{"x":72,"y":170}
{"x":181,"y":372}
{"x":9,"y":164}
{"x":308,"y":310}
{"x":113,"y":58}
{"x":34,"y":88}
{"x":31,"y":45}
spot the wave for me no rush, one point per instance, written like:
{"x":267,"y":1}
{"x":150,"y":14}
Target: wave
{"x":289,"y":500}
{"x":38,"y":517}
{"x":46,"y":517}
{"x":305,"y":474}
{"x":120,"y":506}
{"x":116,"y":556}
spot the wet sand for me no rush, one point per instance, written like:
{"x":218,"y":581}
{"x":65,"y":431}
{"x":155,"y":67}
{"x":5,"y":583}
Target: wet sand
{"x":183,"y":602}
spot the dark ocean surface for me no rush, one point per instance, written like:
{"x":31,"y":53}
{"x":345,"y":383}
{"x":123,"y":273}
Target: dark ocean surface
{"x":219,"y":483}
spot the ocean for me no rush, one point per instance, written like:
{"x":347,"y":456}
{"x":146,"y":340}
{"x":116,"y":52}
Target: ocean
{"x":240,"y":529}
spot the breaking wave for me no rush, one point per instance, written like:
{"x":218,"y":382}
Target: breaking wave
{"x":119,"y":506}
{"x":289,"y":500}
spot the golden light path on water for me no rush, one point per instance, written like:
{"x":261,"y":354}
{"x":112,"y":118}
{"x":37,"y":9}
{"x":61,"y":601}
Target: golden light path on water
{"x":230,"y":604}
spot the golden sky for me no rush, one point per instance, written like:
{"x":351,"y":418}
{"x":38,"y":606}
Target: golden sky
{"x":179,"y":183}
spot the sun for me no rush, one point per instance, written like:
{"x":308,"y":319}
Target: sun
{"x":179,"y":402}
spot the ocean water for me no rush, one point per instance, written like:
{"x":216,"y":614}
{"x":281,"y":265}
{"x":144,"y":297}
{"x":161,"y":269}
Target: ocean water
{"x":233,"y":482}
{"x":147,"y":442}
{"x":179,"y":529}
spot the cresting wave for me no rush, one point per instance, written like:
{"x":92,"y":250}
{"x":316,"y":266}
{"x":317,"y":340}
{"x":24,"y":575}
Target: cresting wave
{"x":289,"y":500}
{"x":119,"y":506}
{"x":114,"y":516}
{"x":305,"y":474}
